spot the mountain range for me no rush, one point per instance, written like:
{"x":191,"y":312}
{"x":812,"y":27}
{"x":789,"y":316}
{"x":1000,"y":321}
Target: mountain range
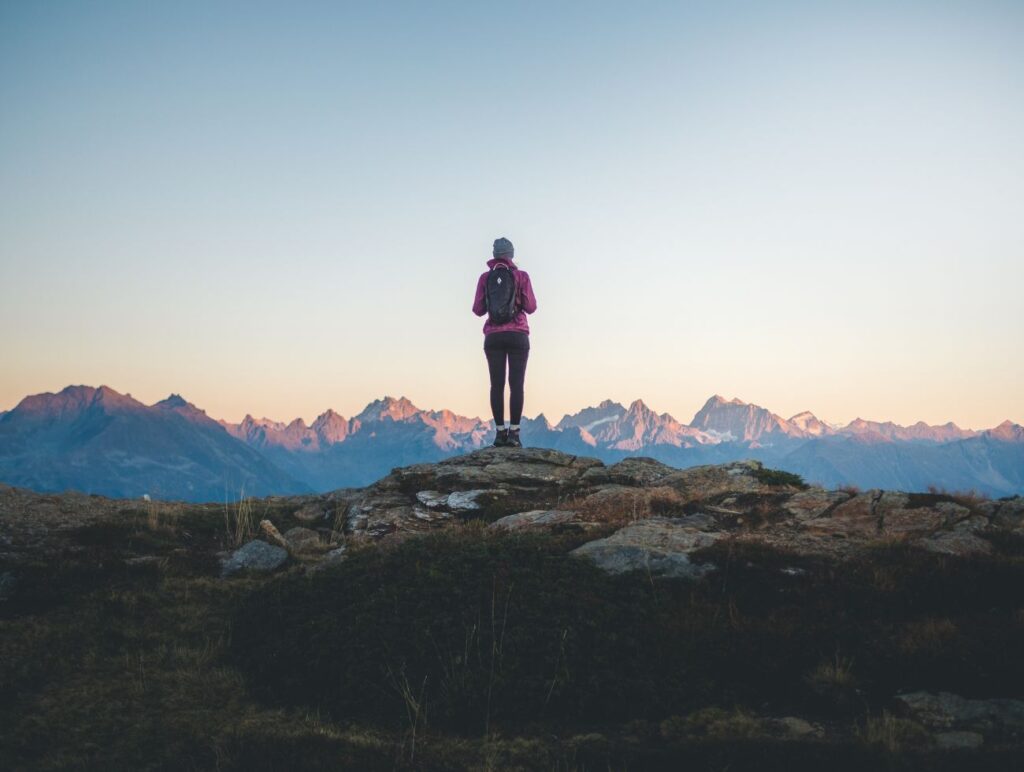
{"x":99,"y":441}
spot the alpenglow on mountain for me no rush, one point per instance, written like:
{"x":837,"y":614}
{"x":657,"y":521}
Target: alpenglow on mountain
{"x":100,"y":441}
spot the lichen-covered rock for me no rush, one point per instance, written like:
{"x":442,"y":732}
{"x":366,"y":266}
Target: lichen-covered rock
{"x":273,"y":535}
{"x":256,"y":556}
{"x":901,"y":522}
{"x":433,"y":499}
{"x":813,"y":502}
{"x":700,"y":482}
{"x":534,"y":519}
{"x":633,"y":471}
{"x":899,"y":518}
{"x":659,"y":546}
{"x":854,"y":517}
{"x":957,"y":543}
{"x":430,"y":515}
{"x":379,"y":507}
{"x":301,"y":540}
{"x":458,"y":501}
{"x":1008,"y":513}
{"x":463,"y":501}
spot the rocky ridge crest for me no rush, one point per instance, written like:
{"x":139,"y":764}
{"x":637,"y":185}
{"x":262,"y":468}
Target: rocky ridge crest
{"x":646,"y":515}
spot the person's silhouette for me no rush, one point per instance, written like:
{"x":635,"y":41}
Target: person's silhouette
{"x":505,"y":294}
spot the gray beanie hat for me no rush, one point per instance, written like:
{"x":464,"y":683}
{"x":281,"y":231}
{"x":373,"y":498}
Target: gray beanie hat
{"x":503,"y":246}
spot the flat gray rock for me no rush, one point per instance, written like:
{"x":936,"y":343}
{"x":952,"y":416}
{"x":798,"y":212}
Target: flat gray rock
{"x":658,"y":546}
{"x":465,"y":500}
{"x":957,"y":543}
{"x":432,"y":499}
{"x":460,"y":501}
{"x":535,"y":518}
{"x":813,"y":502}
{"x":256,"y":556}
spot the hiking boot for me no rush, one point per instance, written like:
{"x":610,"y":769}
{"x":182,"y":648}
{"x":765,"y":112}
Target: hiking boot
{"x":501,"y":438}
{"x":513,"y":439}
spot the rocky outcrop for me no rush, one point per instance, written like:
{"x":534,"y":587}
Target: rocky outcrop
{"x":484,"y":483}
{"x":660,"y":515}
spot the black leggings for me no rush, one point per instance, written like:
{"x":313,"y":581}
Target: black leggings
{"x":514,"y":347}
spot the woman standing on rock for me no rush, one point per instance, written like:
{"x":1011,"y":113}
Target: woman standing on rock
{"x":505,"y":294}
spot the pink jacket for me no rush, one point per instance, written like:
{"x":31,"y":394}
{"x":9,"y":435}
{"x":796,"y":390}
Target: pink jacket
{"x":527,"y":301}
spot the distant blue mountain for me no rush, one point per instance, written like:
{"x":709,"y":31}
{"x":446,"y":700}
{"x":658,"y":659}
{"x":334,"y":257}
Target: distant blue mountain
{"x":99,"y":441}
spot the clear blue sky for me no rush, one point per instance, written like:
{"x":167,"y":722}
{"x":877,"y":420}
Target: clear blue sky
{"x":282,"y":207}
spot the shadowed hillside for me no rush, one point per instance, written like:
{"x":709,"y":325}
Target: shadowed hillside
{"x":516,"y":609}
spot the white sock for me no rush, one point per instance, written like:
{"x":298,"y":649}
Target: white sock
{"x":515,"y":427}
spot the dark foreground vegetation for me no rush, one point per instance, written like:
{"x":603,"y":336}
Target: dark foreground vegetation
{"x":467,"y":649}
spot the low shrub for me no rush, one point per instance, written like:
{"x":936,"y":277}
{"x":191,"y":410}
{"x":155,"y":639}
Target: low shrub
{"x":894,"y":734}
{"x":779,"y":477}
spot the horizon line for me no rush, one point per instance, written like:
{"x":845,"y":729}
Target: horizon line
{"x":386,"y":397}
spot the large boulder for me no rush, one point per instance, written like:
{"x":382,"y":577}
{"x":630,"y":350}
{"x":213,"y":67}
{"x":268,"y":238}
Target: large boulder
{"x":659,"y":546}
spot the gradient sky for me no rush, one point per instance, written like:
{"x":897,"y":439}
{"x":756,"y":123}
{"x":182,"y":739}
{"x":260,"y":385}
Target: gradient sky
{"x":282,"y":207}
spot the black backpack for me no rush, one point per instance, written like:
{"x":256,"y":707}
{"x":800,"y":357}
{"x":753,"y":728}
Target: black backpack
{"x":501,"y":294}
